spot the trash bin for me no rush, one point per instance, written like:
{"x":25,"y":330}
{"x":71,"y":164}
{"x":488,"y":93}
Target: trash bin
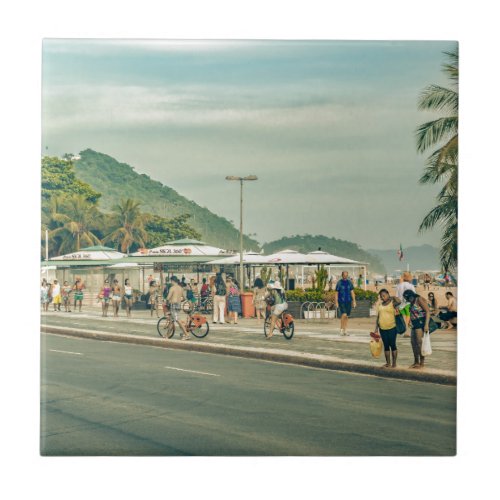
{"x":247,"y":308}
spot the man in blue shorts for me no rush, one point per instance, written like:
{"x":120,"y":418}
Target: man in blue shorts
{"x":345,"y":300}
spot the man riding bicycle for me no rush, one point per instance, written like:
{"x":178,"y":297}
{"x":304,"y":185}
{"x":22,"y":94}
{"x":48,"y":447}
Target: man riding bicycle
{"x":276,"y":298}
{"x":174,"y":298}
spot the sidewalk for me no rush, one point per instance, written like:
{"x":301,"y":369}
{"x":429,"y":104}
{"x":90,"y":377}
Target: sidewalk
{"x":315,"y":342}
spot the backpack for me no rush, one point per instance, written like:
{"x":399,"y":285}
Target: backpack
{"x":220,"y":288}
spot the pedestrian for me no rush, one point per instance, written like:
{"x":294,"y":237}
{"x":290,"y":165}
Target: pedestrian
{"x":233,"y":300}
{"x":360,"y":281}
{"x":44,"y":295}
{"x":403,"y":285}
{"x":176,"y":295}
{"x":105,"y":297}
{"x":56,"y":295}
{"x":205,"y":289}
{"x":427,"y":281}
{"x":128,"y":296}
{"x":65,"y":291}
{"x":432,"y":303}
{"x":189,"y":289}
{"x":259,"y":299}
{"x":345,"y":300}
{"x":78,"y":288}
{"x":116,"y":296}
{"x":449,"y":314}
{"x":420,"y":316}
{"x":386,"y":325}
{"x":219,"y":293}
{"x":154,"y":295}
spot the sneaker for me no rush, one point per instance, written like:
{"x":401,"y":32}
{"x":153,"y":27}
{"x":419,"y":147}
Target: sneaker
{"x":185,"y":337}
{"x":346,"y":333}
{"x":342,"y":332}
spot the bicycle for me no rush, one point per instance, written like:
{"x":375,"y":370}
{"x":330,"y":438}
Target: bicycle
{"x":196,"y":323}
{"x":284,"y":323}
{"x":206,"y":304}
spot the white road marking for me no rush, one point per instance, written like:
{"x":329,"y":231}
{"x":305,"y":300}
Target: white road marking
{"x":66,"y":352}
{"x":191,"y":371}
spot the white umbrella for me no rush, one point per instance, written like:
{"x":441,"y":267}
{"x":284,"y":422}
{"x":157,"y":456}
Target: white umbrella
{"x":182,"y":248}
{"x":320,"y":257}
{"x":92,"y":253}
{"x":248,"y":258}
{"x":286,"y":257}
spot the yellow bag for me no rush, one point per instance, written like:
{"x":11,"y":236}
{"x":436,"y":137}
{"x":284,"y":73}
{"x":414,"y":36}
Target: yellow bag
{"x":376,"y":348}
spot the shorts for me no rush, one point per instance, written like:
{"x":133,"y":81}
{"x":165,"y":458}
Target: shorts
{"x":56,"y":299}
{"x":105,"y":300}
{"x":279,"y":308}
{"x":345,"y":308}
{"x":175,"y":309}
{"x":117,"y":297}
{"x":128,"y":297}
{"x":78,"y":295}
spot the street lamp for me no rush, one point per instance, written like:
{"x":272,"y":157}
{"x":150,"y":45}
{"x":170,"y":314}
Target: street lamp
{"x":241,"y":179}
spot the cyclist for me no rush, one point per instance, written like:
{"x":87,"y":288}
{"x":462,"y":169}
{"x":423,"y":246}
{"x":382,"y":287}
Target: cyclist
{"x":174,"y":298}
{"x":276,"y":296}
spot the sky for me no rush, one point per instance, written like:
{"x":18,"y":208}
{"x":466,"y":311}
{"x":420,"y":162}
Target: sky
{"x":327,"y":126}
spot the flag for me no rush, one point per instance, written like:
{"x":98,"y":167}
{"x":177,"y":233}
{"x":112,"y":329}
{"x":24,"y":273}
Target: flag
{"x":400,"y":252}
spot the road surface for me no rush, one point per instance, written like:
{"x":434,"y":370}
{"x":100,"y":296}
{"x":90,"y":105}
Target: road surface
{"x":105,"y":398}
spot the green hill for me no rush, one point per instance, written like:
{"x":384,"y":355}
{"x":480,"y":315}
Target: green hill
{"x":117,"y":180}
{"x":341,"y":248}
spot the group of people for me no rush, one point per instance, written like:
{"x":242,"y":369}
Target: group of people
{"x":418,"y":313}
{"x":54,"y":293}
{"x":114,"y":294}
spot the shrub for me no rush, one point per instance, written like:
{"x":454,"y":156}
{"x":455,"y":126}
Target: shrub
{"x":301,"y":295}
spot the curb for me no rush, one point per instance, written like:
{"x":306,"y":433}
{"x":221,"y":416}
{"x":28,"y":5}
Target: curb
{"x":276,"y":355}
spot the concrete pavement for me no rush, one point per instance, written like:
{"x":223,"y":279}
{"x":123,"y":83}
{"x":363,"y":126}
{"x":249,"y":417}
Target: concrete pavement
{"x":316,"y":343}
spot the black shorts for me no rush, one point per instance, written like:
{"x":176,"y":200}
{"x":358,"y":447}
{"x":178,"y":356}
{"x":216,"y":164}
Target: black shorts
{"x":345,"y":308}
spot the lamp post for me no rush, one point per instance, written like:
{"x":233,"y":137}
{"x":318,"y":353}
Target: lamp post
{"x":241,"y":179}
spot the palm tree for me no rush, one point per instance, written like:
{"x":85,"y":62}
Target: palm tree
{"x":127,"y":225}
{"x":76,"y":219}
{"x":442,"y":165}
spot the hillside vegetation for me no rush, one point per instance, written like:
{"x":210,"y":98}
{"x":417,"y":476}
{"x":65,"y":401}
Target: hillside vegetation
{"x":118,"y":181}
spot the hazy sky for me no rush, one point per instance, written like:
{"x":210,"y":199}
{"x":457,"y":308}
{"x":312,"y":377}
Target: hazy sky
{"x":328,"y":127}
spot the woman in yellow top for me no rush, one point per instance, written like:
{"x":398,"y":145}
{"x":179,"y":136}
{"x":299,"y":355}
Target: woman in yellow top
{"x":386,"y":325}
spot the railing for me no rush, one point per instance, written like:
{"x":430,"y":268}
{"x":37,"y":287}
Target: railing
{"x":317,"y":310}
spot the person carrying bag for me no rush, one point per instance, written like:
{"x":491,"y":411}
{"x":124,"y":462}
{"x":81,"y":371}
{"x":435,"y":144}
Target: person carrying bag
{"x":386,"y":325}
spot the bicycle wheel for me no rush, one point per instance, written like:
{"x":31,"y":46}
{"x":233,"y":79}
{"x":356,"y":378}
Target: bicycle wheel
{"x":199,"y":331}
{"x":165,"y":327}
{"x":267,"y":326}
{"x":288,"y":330}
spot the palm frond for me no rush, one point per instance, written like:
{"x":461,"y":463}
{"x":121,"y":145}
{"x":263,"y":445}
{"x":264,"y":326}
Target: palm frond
{"x":435,"y":97}
{"x":434,"y":131}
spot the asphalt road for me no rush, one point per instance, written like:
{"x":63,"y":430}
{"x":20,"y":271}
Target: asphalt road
{"x":105,"y":398}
